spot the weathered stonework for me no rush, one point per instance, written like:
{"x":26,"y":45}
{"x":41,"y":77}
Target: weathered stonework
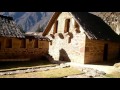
{"x":18,"y":53}
{"x":94,"y":51}
{"x":62,"y":50}
{"x":68,"y":46}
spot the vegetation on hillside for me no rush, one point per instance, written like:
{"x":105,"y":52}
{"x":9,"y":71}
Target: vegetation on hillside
{"x":41,"y":28}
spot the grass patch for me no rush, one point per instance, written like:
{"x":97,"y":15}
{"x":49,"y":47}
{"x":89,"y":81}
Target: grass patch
{"x":4,"y":66}
{"x":56,"y":73}
{"x":113,"y":75}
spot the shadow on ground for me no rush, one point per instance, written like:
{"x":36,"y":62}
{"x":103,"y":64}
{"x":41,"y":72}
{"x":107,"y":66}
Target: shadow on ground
{"x":22,"y":64}
{"x":107,"y":63}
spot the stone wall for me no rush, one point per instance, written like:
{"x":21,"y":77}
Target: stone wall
{"x":61,"y":49}
{"x":18,"y":53}
{"x":69,"y":46}
{"x":94,"y":50}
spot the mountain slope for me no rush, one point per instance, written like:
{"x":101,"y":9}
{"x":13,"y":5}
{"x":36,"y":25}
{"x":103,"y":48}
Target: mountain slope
{"x":30,"y":21}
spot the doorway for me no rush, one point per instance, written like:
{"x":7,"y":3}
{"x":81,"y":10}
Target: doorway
{"x":105,"y":53}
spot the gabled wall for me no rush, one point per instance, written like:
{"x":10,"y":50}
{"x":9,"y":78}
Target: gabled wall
{"x":61,"y":23}
{"x":69,"y":46}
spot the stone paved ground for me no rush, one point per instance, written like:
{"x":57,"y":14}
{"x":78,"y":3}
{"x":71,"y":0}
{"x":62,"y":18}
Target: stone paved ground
{"x":92,"y":70}
{"x":88,"y":71}
{"x":107,"y":68}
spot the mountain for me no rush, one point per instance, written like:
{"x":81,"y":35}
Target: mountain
{"x":30,"y":21}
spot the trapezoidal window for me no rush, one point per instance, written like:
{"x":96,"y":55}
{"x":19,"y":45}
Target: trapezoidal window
{"x":23,"y":43}
{"x":76,"y":25}
{"x":36,"y":44}
{"x":55,"y":27}
{"x":8,"y":43}
{"x":67,"y":25}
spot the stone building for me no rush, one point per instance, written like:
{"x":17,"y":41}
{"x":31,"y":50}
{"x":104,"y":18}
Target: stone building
{"x":16,"y":46}
{"x":81,"y":37}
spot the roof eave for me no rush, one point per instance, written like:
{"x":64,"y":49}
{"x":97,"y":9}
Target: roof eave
{"x":50,"y":23}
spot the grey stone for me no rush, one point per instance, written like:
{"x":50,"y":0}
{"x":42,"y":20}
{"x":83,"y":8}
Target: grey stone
{"x":2,"y":74}
{"x":117,"y":65}
{"x":101,"y":72}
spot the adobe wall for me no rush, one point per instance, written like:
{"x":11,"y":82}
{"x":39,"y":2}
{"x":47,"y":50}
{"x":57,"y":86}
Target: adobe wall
{"x":18,"y":53}
{"x":113,"y":51}
{"x":68,"y":46}
{"x":94,"y":50}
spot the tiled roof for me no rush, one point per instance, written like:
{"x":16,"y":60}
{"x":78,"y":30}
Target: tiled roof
{"x":8,"y":28}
